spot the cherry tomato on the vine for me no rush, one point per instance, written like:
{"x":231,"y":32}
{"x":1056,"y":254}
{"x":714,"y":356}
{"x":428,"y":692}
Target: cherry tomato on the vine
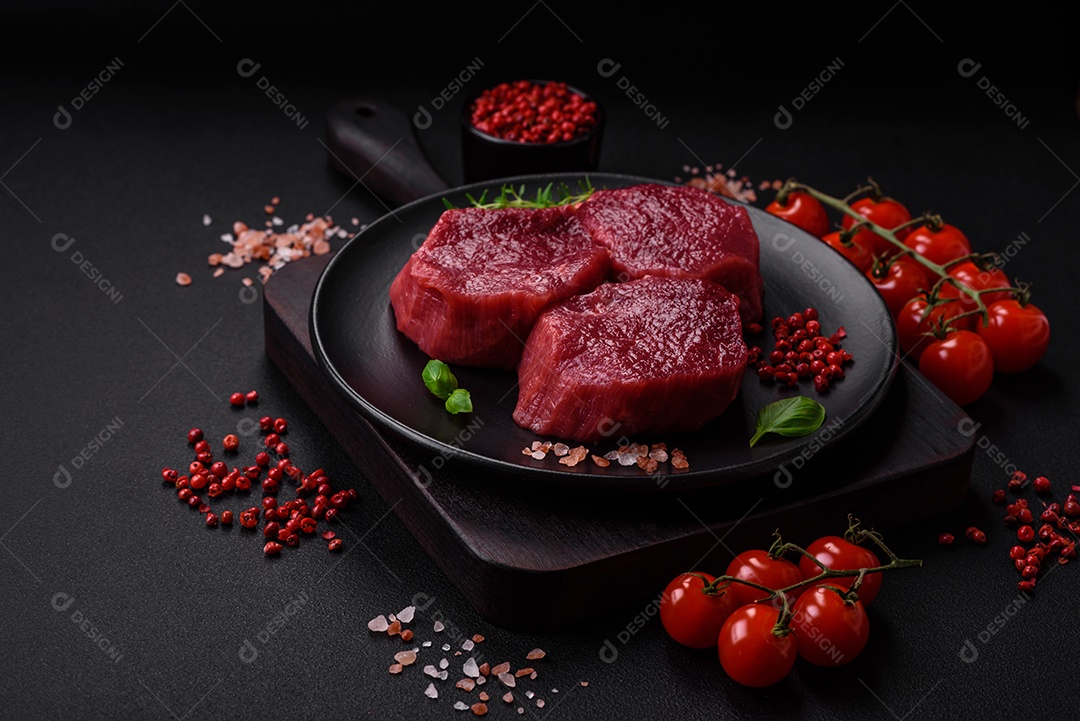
{"x":887,"y":213}
{"x":1017,"y":334}
{"x":941,"y":246}
{"x":839,"y":554}
{"x":973,"y":277}
{"x":761,"y":568}
{"x":898,"y":282}
{"x":830,"y":632}
{"x":801,"y":209}
{"x":855,"y":251}
{"x":749,"y":650}
{"x":691,"y":617}
{"x":913,"y":324}
{"x":960,"y":365}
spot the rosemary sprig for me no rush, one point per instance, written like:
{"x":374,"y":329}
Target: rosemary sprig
{"x":549,"y":196}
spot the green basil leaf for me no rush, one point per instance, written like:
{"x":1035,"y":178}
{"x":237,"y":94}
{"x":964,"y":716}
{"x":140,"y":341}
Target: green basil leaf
{"x":459,"y":402}
{"x":798,"y":416}
{"x":438,"y":379}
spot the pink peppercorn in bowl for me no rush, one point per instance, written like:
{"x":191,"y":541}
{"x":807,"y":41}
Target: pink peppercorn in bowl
{"x":530,"y":126}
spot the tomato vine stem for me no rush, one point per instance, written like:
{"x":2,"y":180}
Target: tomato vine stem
{"x":854,"y":534}
{"x":843,"y":205}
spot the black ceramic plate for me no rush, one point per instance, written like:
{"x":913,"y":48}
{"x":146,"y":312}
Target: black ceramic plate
{"x":378,"y":369}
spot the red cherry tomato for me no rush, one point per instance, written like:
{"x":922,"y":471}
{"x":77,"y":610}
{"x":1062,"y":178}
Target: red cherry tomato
{"x":1017,"y":335}
{"x":898,"y":282}
{"x":749,"y":650}
{"x":803,"y":210}
{"x":761,"y":568}
{"x":829,"y":631}
{"x":961,"y":366}
{"x":887,"y":213}
{"x":855,"y":251}
{"x":941,"y":246}
{"x":970,"y":275}
{"x":840,"y":554}
{"x":691,"y":617}
{"x":913,"y":324}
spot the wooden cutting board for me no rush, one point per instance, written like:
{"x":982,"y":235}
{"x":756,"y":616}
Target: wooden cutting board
{"x":540,"y":559}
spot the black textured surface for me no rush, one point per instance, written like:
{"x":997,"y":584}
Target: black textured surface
{"x":178,"y":133}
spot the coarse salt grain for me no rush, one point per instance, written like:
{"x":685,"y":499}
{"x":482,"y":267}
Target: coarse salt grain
{"x":206,"y":220}
{"x":431,"y":691}
{"x":649,"y":465}
{"x":508,"y":680}
{"x":438,"y":627}
{"x":443,"y":663}
{"x":575,"y":456}
{"x":477,"y":638}
{"x":678,"y":459}
{"x":584,"y":683}
{"x":405,"y":658}
{"x":430,"y":670}
{"x":446,"y":647}
{"x":470,"y":667}
{"x":501,"y":668}
{"x":378,"y":624}
{"x":480,"y":680}
{"x":466,"y":684}
{"x":183,"y":279}
{"x":479,"y":709}
{"x":406,"y":614}
{"x":539,"y":703}
{"x":467,"y":645}
{"x":561,"y":449}
{"x":395,"y":668}
{"x":461,"y":706}
{"x":523,"y":672}
{"x":600,"y":461}
{"x":508,"y":697}
{"x":484,"y":696}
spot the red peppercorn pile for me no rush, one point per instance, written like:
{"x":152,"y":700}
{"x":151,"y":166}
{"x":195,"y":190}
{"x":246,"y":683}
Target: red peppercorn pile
{"x":801,"y":351}
{"x":532,"y":113}
{"x":1058,"y":527}
{"x":284,"y":522}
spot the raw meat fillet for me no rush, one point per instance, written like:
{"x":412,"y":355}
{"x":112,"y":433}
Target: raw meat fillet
{"x":654,"y":229}
{"x":471,"y":293}
{"x":657,"y":354}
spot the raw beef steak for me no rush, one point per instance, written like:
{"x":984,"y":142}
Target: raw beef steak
{"x":657,"y":354}
{"x":471,"y":293}
{"x":679,"y":231}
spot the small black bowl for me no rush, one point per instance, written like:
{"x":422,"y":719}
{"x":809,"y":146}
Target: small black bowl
{"x":485,"y":157}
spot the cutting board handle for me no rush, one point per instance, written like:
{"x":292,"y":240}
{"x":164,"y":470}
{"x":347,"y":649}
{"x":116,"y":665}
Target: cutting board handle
{"x":371,"y":141}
